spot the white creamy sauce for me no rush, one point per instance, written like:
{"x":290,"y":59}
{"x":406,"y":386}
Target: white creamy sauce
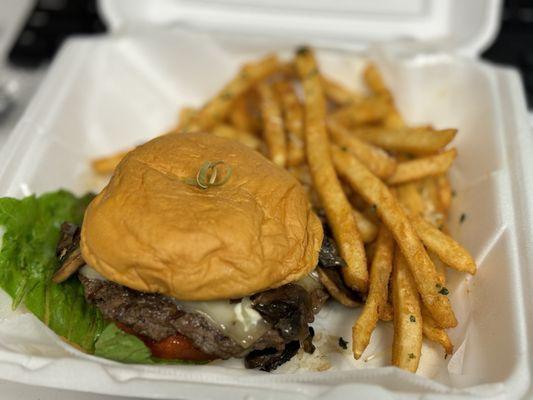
{"x":91,"y":273}
{"x":238,"y":321}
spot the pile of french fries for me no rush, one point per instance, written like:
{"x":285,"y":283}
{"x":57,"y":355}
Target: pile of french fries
{"x":382,"y":185}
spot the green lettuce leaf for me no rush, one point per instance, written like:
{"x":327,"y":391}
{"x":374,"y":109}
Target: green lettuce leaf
{"x":115,"y":344}
{"x":27,"y":262}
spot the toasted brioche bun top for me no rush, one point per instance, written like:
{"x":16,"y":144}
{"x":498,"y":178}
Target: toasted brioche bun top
{"x":152,"y":231}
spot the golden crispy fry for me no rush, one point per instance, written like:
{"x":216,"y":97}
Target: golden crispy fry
{"x":447,"y":249}
{"x":338,"y":209}
{"x":293,"y":119}
{"x":273,"y":129}
{"x":366,"y":228}
{"x":409,"y":196}
{"x":376,"y":84}
{"x":377,"y":292}
{"x":231,"y":132}
{"x":339,"y":94}
{"x":432,"y":331}
{"x":240,"y":117}
{"x":368,"y":110}
{"x":375,"y":81}
{"x":390,"y":212}
{"x":288,"y":70}
{"x":186,"y":116}
{"x":386,"y":313}
{"x":407,"y":341}
{"x":218,"y":108}
{"x":335,"y":291}
{"x":375,"y":159}
{"x":415,"y":141}
{"x":106,"y":165}
{"x":422,"y":167}
{"x":393,"y":119}
{"x":433,"y":209}
{"x":445,"y":192}
{"x":440,"y":267}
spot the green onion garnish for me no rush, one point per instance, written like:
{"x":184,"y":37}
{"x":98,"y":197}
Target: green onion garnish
{"x":208,"y":173}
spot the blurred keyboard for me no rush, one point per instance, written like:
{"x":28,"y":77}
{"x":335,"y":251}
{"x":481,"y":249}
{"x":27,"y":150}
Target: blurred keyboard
{"x":48,"y":24}
{"x":514,"y":43}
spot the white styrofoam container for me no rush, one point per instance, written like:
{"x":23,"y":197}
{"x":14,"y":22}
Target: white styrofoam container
{"x":105,"y":94}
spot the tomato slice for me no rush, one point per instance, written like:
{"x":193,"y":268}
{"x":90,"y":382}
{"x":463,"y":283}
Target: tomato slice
{"x":175,"y":347}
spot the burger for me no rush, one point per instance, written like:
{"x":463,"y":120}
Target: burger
{"x":203,"y":249}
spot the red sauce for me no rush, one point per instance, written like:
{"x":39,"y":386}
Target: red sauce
{"x":175,"y":347}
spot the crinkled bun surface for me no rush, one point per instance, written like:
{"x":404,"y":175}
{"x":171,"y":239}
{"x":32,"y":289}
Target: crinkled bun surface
{"x":152,"y":231}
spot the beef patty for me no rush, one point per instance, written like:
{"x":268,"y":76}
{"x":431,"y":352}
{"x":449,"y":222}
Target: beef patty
{"x":288,"y":310}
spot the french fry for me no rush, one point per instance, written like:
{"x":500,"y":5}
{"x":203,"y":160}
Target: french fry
{"x":375,"y":159}
{"x":273,"y":129}
{"x":407,"y":339}
{"x":376,"y":84}
{"x":106,"y":165}
{"x":433,"y":209}
{"x":393,"y":119}
{"x":447,"y":249}
{"x":338,"y":209}
{"x":293,"y":119}
{"x":445,"y":192}
{"x":440,"y":267}
{"x":368,"y":110}
{"x":409,"y":196}
{"x":288,"y":70}
{"x":430,"y":328}
{"x":230,"y":132}
{"x":434,"y":333}
{"x":422,"y":167}
{"x":339,"y":94}
{"x":408,"y":140}
{"x":240,"y":117}
{"x":380,"y":271}
{"x":386,"y":313}
{"x":218,"y":108}
{"x":186,"y":117}
{"x":366,"y":228}
{"x":375,"y":81}
{"x":334,"y":290}
{"x":374,"y":191}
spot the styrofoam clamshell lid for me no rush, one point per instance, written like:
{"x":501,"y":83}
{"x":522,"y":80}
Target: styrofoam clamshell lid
{"x":467,"y":27}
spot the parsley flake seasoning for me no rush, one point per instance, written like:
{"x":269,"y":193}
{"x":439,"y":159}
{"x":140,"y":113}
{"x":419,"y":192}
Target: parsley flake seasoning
{"x":442,"y":290}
